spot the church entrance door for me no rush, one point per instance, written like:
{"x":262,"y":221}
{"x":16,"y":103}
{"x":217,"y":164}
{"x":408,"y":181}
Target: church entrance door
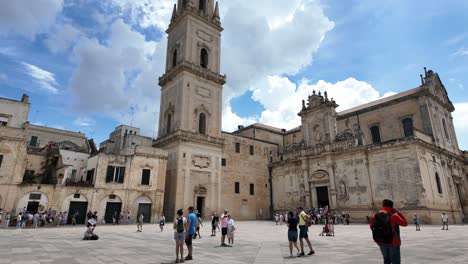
{"x":322,"y":197}
{"x":200,"y":204}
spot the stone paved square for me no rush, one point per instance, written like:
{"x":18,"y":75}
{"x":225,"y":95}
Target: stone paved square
{"x":256,"y":242}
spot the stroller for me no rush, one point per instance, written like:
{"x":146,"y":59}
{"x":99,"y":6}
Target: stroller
{"x":328,"y":229}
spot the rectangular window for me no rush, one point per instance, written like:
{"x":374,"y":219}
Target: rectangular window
{"x":145,"y":177}
{"x":223,"y":162}
{"x":115,"y":174}
{"x":237,"y":147}
{"x":3,"y":121}
{"x":76,"y":196}
{"x":251,"y":149}
{"x":1,"y":159}
{"x":375,"y":133}
{"x":33,"y":141}
{"x":252,"y":189}
{"x":236,"y":187}
{"x":35,"y":196}
{"x":112,"y":196}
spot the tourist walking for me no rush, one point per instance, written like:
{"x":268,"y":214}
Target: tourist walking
{"x":180,"y":228}
{"x":129,"y":217}
{"x":444,"y":217}
{"x":140,"y":223}
{"x":199,"y":223}
{"x":191,"y":226}
{"x":292,"y":233}
{"x":304,"y":222}
{"x":224,"y":226}
{"x":74,"y":216}
{"x":35,"y":220}
{"x":7,"y":220}
{"x":416,"y":222}
{"x":385,"y":226}
{"x":162,"y":222}
{"x":19,"y":219}
{"x":231,"y":229}
{"x":214,"y":223}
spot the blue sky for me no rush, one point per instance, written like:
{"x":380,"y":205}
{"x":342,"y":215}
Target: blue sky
{"x":86,"y":63}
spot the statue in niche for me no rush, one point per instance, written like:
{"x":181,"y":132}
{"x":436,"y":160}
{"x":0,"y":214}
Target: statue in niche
{"x":342,"y":188}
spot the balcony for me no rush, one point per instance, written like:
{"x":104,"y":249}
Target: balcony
{"x":78,"y":183}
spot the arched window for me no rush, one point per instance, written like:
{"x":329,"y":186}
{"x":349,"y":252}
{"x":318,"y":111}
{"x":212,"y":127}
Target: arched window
{"x":407,"y":127}
{"x":204,"y":58}
{"x":445,"y":129}
{"x":168,"y":125}
{"x":375,"y":133}
{"x":174,"y":58}
{"x":201,"y":5}
{"x":439,"y":186}
{"x":202,"y":123}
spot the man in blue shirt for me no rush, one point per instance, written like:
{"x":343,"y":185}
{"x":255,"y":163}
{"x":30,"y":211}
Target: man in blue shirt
{"x":191,"y":223}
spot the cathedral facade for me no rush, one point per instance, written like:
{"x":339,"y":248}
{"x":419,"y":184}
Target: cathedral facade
{"x":402,"y":147}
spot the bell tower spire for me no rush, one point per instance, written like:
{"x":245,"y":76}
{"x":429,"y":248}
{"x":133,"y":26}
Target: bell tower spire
{"x":191,"y":87}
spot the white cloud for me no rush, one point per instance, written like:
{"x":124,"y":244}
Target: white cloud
{"x":27,"y":18}
{"x":62,"y":39}
{"x":461,"y":52}
{"x":84,"y":121}
{"x":282,"y":100}
{"x":44,"y":78}
{"x":146,"y":13}
{"x":8,"y":51}
{"x":460,"y":121}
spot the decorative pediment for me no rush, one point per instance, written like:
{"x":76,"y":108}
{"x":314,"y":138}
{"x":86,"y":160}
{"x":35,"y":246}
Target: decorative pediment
{"x":170,"y":109}
{"x":202,"y":109}
{"x":319,"y":176}
{"x":118,"y":161}
{"x":200,"y":161}
{"x":146,"y":166}
{"x":200,"y":190}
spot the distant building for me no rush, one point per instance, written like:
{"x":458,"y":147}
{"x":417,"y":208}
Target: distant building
{"x":43,"y":168}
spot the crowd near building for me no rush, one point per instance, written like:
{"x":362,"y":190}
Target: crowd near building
{"x":402,"y":147}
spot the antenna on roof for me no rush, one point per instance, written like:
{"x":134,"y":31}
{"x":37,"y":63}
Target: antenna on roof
{"x":422,"y":79}
{"x":425,"y":72}
{"x":132,"y":112}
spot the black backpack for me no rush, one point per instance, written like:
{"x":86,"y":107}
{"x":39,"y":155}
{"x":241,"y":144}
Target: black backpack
{"x":382,"y":228}
{"x":180,"y":225}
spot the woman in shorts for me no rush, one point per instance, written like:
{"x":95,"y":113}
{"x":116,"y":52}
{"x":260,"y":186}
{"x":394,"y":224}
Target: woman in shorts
{"x":162,"y":221}
{"x":292,"y":233}
{"x":180,"y":228}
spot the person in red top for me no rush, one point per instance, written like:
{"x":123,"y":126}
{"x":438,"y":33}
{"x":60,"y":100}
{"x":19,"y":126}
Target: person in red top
{"x":391,"y":252}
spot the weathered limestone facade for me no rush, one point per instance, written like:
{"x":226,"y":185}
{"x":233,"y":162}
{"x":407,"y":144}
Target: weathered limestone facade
{"x":44,"y":168}
{"x":402,"y":147}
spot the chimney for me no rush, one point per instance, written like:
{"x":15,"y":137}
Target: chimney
{"x":25,"y":98}
{"x":240,"y":127}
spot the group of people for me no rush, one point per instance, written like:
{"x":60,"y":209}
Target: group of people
{"x":318,"y":216}
{"x":27,"y":219}
{"x":187,"y":228}
{"x":303,"y":221}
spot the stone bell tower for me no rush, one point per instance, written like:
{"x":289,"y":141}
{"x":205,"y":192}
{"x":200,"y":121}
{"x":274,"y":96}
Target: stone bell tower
{"x":191,"y":87}
{"x":190,"y":112}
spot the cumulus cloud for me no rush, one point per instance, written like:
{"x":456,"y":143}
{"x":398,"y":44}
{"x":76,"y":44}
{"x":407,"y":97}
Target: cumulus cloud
{"x":45,"y":79}
{"x":460,"y":121}
{"x":282,"y":99}
{"x":62,"y":39}
{"x":146,"y":13}
{"x":27,"y":18}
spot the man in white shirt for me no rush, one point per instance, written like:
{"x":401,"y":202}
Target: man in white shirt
{"x":444,"y":218}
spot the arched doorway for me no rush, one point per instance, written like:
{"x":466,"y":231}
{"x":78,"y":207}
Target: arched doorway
{"x":112,"y":204}
{"x":144,"y":205}
{"x":76,"y":204}
{"x":32,"y":202}
{"x":319,"y":183}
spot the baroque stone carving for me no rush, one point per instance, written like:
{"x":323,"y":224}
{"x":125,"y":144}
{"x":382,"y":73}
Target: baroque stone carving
{"x":200,"y":190}
{"x":205,"y":93}
{"x":201,"y":162}
{"x":118,"y":161}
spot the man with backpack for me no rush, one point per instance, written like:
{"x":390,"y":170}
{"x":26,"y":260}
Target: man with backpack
{"x":385,"y":226}
{"x":180,"y":227}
